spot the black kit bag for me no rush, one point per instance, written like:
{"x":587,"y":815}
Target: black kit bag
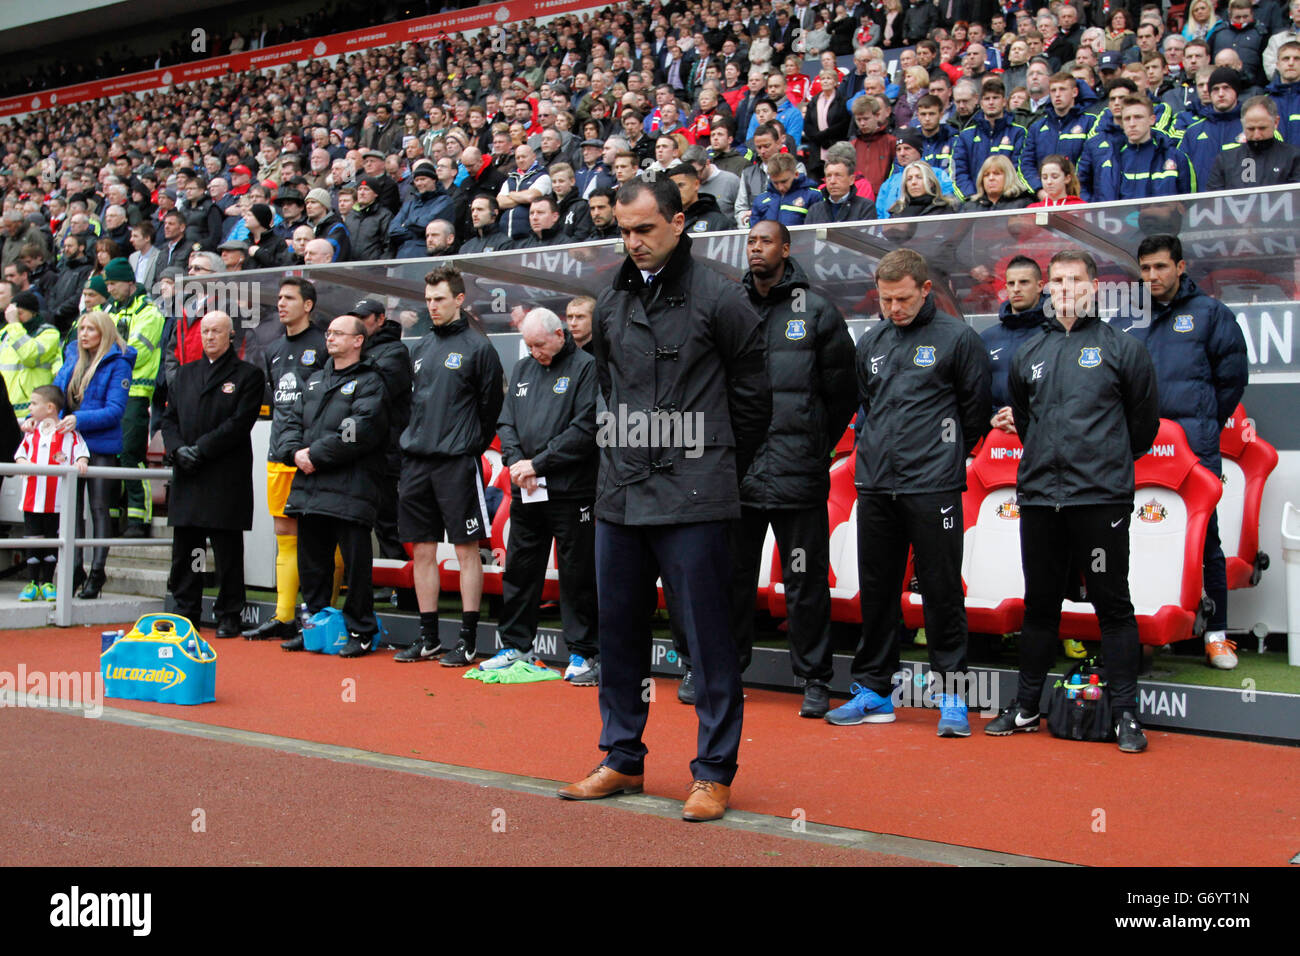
{"x":1073,"y":716}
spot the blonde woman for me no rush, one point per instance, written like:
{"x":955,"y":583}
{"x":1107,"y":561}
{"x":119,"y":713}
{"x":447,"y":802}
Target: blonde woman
{"x":96,"y":386}
{"x":998,"y":186}
{"x":1202,"y":23}
{"x":922,"y":194}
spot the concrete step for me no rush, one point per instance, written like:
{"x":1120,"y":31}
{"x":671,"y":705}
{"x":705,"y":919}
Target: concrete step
{"x":147,"y":581}
{"x":109,"y":608}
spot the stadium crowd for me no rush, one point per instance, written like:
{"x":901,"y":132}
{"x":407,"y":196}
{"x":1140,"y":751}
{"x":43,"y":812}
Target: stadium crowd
{"x":532,"y":136}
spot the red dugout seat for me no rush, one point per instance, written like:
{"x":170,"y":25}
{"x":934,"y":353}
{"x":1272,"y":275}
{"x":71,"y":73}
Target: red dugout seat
{"x":1248,"y":460}
{"x":1175,"y":497}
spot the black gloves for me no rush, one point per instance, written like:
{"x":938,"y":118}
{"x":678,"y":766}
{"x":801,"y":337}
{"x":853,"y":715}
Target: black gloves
{"x":187,"y":458}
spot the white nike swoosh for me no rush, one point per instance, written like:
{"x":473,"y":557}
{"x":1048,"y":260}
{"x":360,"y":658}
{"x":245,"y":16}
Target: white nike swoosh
{"x":994,"y":351}
{"x":1024,"y":723}
{"x":1116,"y":524}
{"x":1129,"y":329}
{"x":877,"y":358}
{"x":944,"y":511}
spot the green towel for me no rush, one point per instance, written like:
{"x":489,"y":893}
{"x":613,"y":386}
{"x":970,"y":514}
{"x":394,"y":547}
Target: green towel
{"x":520,"y":672}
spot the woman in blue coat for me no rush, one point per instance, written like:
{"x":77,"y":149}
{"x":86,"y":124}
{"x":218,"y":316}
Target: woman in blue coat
{"x":96,"y":379}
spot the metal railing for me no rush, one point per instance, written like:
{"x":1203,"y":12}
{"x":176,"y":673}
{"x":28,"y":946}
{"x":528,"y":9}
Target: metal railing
{"x":67,"y":542}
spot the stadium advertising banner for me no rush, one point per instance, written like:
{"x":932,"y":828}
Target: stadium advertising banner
{"x":422,"y":29}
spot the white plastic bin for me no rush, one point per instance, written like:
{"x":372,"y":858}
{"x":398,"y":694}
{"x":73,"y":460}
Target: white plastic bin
{"x":1291,"y":556}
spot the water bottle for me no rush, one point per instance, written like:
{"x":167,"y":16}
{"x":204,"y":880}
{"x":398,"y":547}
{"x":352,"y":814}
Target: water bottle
{"x":108,"y":638}
{"x":1093,"y":690}
{"x":304,"y":616}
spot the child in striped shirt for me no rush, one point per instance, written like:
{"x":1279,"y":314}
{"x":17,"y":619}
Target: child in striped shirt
{"x":46,"y":444}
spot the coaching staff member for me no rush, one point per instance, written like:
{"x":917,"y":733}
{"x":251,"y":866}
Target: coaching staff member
{"x":335,"y":436}
{"x":810,"y":361}
{"x":211,"y":408}
{"x":454,"y":410}
{"x":1199,"y":353}
{"x":1084,"y":399}
{"x":675,"y":341}
{"x":923,"y":381}
{"x":386,"y":353}
{"x":548,"y":432}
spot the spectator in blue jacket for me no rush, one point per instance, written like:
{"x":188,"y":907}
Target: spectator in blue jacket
{"x":1285,"y":90}
{"x":991,"y":133}
{"x":1019,"y":320}
{"x":790,"y":195}
{"x":936,"y":135}
{"x":1148,"y":164}
{"x":1105,"y":136}
{"x":1219,"y":126}
{"x":1202,"y":368}
{"x":1063,"y":130}
{"x":907,"y":150}
{"x":96,"y":379}
{"x":430,"y":202}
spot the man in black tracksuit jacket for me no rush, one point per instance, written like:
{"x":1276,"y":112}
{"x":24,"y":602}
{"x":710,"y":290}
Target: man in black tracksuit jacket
{"x":1083,"y":395}
{"x":385,"y":351}
{"x":454,"y":408}
{"x":680,"y":359}
{"x":335,"y":436}
{"x":923,"y":380}
{"x":810,"y":363}
{"x":548,"y":431}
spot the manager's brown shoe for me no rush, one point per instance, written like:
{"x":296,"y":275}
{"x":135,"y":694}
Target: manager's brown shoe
{"x":603,"y":782}
{"x":707,"y":801}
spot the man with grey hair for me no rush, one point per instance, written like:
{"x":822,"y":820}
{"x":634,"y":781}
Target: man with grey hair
{"x":548,"y":441}
{"x":116,"y":226}
{"x":440,"y":237}
{"x":17,"y":233}
{"x":212,"y":405}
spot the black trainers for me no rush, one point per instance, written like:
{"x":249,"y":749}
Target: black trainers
{"x":462,"y":655}
{"x":816,"y":700}
{"x":1012,"y":720}
{"x":1128,"y":733}
{"x":357,"y":645}
{"x":686,"y":689}
{"x":424,"y":649}
{"x":293,"y":644}
{"x":271,"y":629}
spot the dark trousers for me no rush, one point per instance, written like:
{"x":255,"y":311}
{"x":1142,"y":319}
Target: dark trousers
{"x":103,"y":497}
{"x":41,"y":561}
{"x":803,"y":541}
{"x":695,"y":561}
{"x":1095,"y":539}
{"x":318,"y":538}
{"x":390,"y":544}
{"x":135,"y":444}
{"x":887,"y":525}
{"x":186,"y":579}
{"x":1216,"y":576}
{"x":532,"y":526}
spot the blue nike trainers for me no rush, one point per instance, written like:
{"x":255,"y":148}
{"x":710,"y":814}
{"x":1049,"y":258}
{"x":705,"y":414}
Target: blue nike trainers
{"x":952,"y":717}
{"x":866,"y":707}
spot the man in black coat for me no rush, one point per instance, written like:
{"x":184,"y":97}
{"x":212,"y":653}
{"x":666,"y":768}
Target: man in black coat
{"x":548,"y":441}
{"x":211,"y":408}
{"x":335,"y":436}
{"x":385,"y":351}
{"x":680,"y":360}
{"x":810,"y":362}
{"x":1261,"y":159}
{"x":700,"y":209}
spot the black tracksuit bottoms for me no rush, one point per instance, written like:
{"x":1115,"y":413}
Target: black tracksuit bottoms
{"x":932,"y":525}
{"x":1094,"y":538}
{"x":532,"y":526}
{"x":318,"y":538}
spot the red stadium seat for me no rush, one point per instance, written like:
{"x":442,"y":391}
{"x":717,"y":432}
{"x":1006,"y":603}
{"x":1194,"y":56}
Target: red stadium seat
{"x":1248,"y":460}
{"x":842,"y":509}
{"x":1175,"y":496}
{"x":394,"y":573}
{"x":844,"y":446}
{"x":991,"y":569}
